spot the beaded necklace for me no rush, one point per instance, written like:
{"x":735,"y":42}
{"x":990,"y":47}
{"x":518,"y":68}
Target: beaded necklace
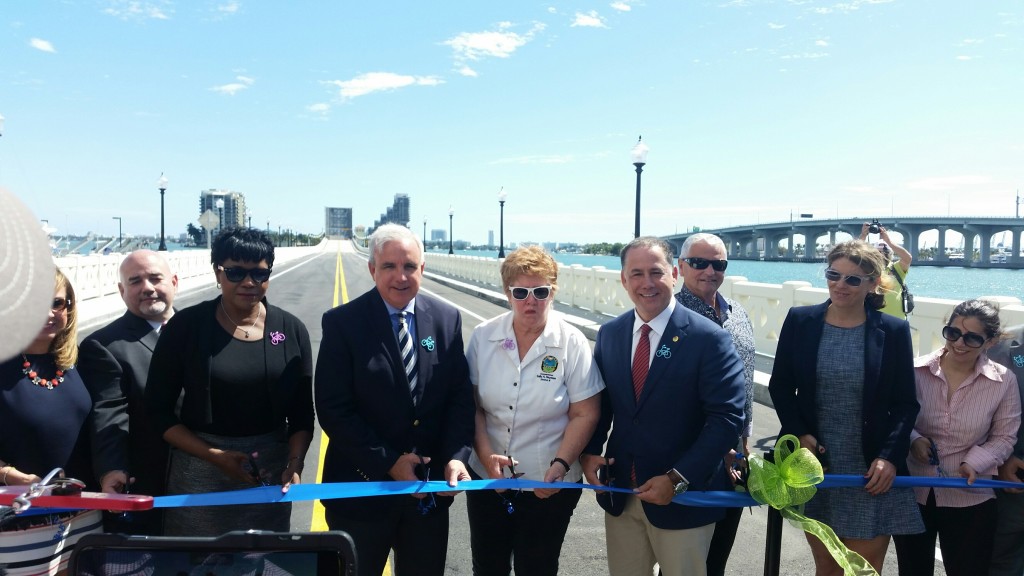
{"x":26,"y":369}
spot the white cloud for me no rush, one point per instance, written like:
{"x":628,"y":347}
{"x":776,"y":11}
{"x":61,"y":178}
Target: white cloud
{"x":467,"y":71}
{"x":378,"y":81}
{"x":231,"y":7}
{"x":621,"y":6}
{"x":139,"y":9}
{"x":42,"y":45}
{"x":775,"y":26}
{"x":964,"y":58}
{"x":233,"y":88}
{"x":500,"y":43}
{"x":589,"y":20}
{"x":319,"y":108}
{"x":821,"y":42}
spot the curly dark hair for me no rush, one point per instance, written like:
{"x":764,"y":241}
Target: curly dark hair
{"x":243,"y":245}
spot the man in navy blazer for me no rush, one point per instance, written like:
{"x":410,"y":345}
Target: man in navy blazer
{"x":670,"y":429}
{"x":394,"y":416}
{"x":114,"y":363}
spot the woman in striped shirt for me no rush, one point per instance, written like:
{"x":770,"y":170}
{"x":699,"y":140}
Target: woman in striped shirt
{"x":967,"y":426}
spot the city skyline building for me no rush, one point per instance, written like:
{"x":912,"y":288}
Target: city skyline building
{"x":397,"y":213}
{"x":338,"y":222}
{"x":233,"y":213}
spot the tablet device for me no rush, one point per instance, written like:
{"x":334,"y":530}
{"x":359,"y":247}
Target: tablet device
{"x":234,"y":553}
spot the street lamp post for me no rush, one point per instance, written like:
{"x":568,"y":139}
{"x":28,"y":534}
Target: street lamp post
{"x":220,"y":214}
{"x":451,"y":237}
{"x":639,"y":155}
{"x":118,"y":218}
{"x":162,"y":185}
{"x":424,"y":231}
{"x":501,"y":222}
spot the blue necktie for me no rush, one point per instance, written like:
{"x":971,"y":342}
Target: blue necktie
{"x":408,"y":353}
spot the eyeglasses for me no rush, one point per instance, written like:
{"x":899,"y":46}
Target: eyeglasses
{"x":971,"y":339}
{"x":851,"y":279}
{"x":702,"y":263}
{"x":61,"y":304}
{"x":933,"y":458}
{"x":258,"y":275}
{"x":539,"y":292}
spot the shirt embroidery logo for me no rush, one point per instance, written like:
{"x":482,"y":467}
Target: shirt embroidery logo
{"x":549,"y":364}
{"x":428,"y":343}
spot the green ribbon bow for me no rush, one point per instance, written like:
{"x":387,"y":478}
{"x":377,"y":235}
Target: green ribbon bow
{"x":789,"y":483}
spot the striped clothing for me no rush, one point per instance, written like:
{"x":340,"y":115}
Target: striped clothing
{"x":977,"y":426}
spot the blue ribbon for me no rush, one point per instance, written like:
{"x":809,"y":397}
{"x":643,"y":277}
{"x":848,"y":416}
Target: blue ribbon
{"x":329,"y":491}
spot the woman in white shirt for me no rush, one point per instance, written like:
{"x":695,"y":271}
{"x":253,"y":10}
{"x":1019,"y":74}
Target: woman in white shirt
{"x":537,"y":394}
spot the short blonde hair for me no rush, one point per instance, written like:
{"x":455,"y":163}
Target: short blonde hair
{"x":529,"y":261}
{"x":65,"y":345}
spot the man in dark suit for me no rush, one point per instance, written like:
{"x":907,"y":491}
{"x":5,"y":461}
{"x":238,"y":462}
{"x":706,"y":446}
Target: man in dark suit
{"x":393,"y":395}
{"x":1008,"y":549}
{"x":674,"y":414}
{"x":114,"y":363}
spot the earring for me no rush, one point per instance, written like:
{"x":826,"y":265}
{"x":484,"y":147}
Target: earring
{"x":218,"y":285}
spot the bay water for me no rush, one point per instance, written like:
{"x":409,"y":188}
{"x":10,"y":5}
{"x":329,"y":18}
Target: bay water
{"x":949,"y":282}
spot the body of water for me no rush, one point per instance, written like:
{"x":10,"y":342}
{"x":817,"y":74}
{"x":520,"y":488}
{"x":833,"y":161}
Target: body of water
{"x":950,"y":282}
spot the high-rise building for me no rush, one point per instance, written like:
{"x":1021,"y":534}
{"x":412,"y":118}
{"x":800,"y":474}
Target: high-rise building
{"x":227,"y":205}
{"x":490,"y":238}
{"x":338,"y":222}
{"x":397,"y":213}
{"x":438,"y":235}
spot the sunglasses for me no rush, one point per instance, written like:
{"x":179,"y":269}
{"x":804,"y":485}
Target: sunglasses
{"x":61,"y":304}
{"x":539,"y":292}
{"x":702,"y":263}
{"x":258,"y":275}
{"x":971,"y":339}
{"x":851,"y":279}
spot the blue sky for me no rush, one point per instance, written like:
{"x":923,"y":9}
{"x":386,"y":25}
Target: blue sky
{"x":751,"y":109}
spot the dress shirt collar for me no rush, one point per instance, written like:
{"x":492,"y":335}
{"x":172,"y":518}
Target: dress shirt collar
{"x":410,"y":308}
{"x":659,"y":322}
{"x":552,"y":337}
{"x":982,"y":366}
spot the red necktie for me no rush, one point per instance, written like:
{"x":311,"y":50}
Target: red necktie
{"x":641,"y":360}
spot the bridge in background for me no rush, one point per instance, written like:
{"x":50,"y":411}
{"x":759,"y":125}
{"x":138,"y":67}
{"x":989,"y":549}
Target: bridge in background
{"x":765,"y":241}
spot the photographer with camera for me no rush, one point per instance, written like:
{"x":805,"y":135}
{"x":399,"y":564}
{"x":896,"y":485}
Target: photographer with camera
{"x":898,"y":302}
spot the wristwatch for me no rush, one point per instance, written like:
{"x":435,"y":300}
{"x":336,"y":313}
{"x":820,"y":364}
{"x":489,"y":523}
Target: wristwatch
{"x":679,"y":482}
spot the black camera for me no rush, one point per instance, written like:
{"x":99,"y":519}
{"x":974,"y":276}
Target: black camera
{"x":874,"y":227}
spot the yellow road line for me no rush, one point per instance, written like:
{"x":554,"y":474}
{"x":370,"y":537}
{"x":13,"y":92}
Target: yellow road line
{"x":319,"y":523}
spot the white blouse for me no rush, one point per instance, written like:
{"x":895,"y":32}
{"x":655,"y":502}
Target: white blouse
{"x":527,"y":403}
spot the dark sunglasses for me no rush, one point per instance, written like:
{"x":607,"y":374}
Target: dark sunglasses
{"x":61,"y":304}
{"x":539,"y":292}
{"x":851,"y":279}
{"x":702,"y":263}
{"x":258,"y":275}
{"x":971,"y":339}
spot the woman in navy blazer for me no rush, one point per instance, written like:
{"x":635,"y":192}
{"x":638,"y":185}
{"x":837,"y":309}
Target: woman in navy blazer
{"x":843,"y":382}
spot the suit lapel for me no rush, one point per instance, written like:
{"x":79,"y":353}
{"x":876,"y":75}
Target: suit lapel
{"x":667,"y":351}
{"x":425,"y":346}
{"x":139,"y":329}
{"x":385,"y":334}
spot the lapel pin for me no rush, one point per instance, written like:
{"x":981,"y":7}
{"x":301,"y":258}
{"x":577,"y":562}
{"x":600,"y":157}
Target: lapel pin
{"x":663,"y":352}
{"x":428,"y":343}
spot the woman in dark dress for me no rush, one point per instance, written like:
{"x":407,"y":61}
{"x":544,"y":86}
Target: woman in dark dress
{"x":44,"y":407}
{"x":247,"y":412}
{"x":843,"y":382}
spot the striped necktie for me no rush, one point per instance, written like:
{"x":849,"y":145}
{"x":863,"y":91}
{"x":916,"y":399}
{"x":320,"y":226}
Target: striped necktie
{"x":641,"y":360}
{"x":408,"y":353}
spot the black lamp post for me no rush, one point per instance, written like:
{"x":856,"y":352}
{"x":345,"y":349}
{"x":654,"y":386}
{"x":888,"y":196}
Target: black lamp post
{"x":118,"y":218}
{"x":451,"y":238}
{"x":501,"y":222}
{"x":639,"y":155}
{"x":424,"y":232}
{"x":162,"y":185}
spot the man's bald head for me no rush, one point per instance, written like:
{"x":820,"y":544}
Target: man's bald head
{"x":147,"y":285}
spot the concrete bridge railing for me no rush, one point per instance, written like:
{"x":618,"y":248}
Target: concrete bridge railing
{"x":600,"y":290}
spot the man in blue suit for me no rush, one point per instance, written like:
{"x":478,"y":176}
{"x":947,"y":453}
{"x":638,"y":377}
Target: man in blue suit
{"x":393,"y":395}
{"x":674,"y":412}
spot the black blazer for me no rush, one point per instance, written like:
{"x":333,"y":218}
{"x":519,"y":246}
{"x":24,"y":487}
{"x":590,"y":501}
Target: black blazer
{"x":364,"y":404}
{"x":1010,"y":353}
{"x":890,"y":395}
{"x":182,"y":361}
{"x":114,"y":362}
{"x":688,"y":416}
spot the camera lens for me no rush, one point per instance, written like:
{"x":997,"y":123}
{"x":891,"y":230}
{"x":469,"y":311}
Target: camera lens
{"x":875,"y":227}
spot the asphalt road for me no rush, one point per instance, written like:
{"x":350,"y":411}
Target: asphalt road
{"x":309,"y":287}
